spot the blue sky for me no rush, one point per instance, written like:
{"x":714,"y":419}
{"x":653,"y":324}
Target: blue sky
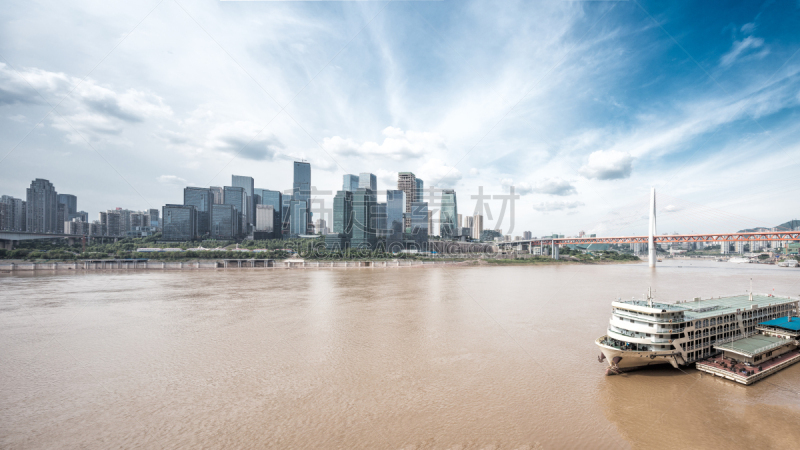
{"x":582,"y":106}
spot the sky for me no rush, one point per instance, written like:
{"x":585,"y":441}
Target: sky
{"x":582,"y":107}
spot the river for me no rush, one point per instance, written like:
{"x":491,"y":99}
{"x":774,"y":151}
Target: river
{"x":411,"y":358}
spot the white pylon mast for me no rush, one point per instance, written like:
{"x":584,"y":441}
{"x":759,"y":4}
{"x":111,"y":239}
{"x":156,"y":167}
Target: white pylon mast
{"x":651,"y":245}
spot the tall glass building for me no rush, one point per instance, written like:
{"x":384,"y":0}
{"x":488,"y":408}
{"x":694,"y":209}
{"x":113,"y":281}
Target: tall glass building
{"x":419,"y":192}
{"x":350,"y":183}
{"x":237,"y":197}
{"x":419,"y":224}
{"x":301,"y":187}
{"x":224,"y":222}
{"x":364,"y":233}
{"x":219,"y":195}
{"x":248,"y":184}
{"x":343,"y":213}
{"x":448,"y":215}
{"x":180,"y":223}
{"x":72,"y":204}
{"x":274,"y":199}
{"x":299,"y":217}
{"x":407,"y":182}
{"x":201,"y":199}
{"x":368,"y":181}
{"x":395,"y":223}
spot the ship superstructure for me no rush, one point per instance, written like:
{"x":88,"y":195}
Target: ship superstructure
{"x":646,"y":332}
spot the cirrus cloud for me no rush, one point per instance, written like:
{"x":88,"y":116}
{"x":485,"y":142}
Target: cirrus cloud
{"x":397,"y":144}
{"x":556,"y":206}
{"x":554,"y":186}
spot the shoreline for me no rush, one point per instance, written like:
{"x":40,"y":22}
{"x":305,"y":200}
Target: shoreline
{"x":97,"y":265}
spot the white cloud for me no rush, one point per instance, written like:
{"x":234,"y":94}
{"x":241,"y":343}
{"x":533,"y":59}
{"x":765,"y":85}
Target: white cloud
{"x":521,"y":188}
{"x":556,"y":206}
{"x":554,"y":186}
{"x":608,"y":165}
{"x":397,"y":144}
{"x":246,"y":140}
{"x":740,"y":48}
{"x":88,"y":110}
{"x":474,"y":172}
{"x":437,"y":173}
{"x":172,"y":179}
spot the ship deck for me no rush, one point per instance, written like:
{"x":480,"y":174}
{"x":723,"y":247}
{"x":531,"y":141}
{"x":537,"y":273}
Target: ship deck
{"x":735,"y":373}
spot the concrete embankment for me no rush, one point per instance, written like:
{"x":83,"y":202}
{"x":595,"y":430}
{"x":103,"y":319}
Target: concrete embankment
{"x":213,"y":264}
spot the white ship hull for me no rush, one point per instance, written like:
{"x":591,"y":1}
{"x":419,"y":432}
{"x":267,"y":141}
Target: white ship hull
{"x":631,"y":360}
{"x":739,"y":260}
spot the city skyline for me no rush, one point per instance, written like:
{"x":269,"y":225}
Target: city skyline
{"x":613,"y":98}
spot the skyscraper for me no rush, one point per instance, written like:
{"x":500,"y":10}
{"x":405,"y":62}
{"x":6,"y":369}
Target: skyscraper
{"x":237,"y":197}
{"x":15,"y":218}
{"x":301,"y":187}
{"x":154,"y":216}
{"x":407,"y":182}
{"x":343,"y":213}
{"x":339,"y":240}
{"x":395,"y":222}
{"x":419,"y":191}
{"x":219,"y":196}
{"x":350,"y":183}
{"x":274,"y":199}
{"x":299,"y":217}
{"x":477,"y":226}
{"x":448,"y":215}
{"x":180,"y":223}
{"x":265,"y":219}
{"x":42,"y":207}
{"x":72,"y":204}
{"x":224,"y":222}
{"x":201,"y":199}
{"x":419,"y":225}
{"x":248,"y":184}
{"x":368,"y":181}
{"x":364,"y":235}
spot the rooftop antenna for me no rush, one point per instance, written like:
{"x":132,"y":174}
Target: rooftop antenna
{"x":649,"y":297}
{"x":751,"y":289}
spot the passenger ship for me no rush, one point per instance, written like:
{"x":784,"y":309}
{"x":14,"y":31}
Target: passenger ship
{"x":645,"y":332}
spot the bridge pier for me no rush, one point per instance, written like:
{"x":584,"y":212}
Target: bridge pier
{"x":71,"y":241}
{"x":555,"y":250}
{"x":7,"y":244}
{"x":651,"y":244}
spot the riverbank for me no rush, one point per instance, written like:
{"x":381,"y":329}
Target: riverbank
{"x":126,"y":264}
{"x":213,"y":264}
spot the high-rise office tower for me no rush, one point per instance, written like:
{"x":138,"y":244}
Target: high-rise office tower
{"x":395,"y":219}
{"x":154,"y":215}
{"x":368,"y":181}
{"x":237,"y":197}
{"x":407,"y":182}
{"x":526,"y":235}
{"x":343,"y":213}
{"x":42,"y":207}
{"x":219,"y":195}
{"x":419,"y":191}
{"x":301,"y":186}
{"x":298,"y":210}
{"x":339,"y":240}
{"x":72,"y":204}
{"x":419,"y":225}
{"x":477,"y":226}
{"x":364,"y":233}
{"x":180,"y":223}
{"x":265,"y":218}
{"x":350,"y":183}
{"x":224,"y":222}
{"x":248,"y":184}
{"x":321,"y":227}
{"x":201,"y":199}
{"x":448,"y":215}
{"x":274,"y":199}
{"x":379,"y":218}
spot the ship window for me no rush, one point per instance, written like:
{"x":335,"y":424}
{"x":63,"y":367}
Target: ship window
{"x":650,"y":324}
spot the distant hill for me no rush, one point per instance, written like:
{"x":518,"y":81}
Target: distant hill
{"x":786,"y":226}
